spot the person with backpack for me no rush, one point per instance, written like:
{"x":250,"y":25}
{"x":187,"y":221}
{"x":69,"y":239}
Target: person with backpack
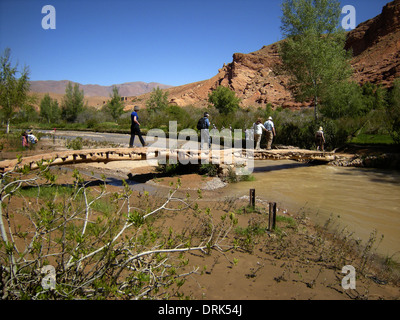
{"x":320,"y":139}
{"x":203,"y":125}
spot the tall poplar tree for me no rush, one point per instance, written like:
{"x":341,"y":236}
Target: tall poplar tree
{"x":13,"y":90}
{"x":313,"y":52}
{"x":158,"y":100}
{"x":115,"y":106}
{"x":73,"y":102}
{"x":49,"y":109}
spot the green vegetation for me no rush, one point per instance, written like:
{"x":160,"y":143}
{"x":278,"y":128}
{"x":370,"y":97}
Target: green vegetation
{"x":115,"y":107}
{"x":224,"y":100}
{"x":372,"y":139}
{"x":393,"y":112}
{"x":99,"y":244}
{"x":13,"y":91}
{"x":313,"y":56}
{"x":313,"y":52}
{"x":49,"y":110}
{"x":73,"y":102}
{"x":158,"y":100}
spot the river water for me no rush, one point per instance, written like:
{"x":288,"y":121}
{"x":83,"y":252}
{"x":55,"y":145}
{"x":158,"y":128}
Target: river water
{"x":362,"y":200}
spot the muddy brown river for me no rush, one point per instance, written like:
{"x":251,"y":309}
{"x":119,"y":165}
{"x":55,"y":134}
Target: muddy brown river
{"x":359,"y":199}
{"x":362,"y":200}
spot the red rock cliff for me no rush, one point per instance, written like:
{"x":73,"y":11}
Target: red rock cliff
{"x":376,"y":58}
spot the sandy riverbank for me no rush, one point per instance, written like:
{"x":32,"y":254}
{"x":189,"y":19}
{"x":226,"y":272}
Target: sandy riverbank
{"x":301,"y":261}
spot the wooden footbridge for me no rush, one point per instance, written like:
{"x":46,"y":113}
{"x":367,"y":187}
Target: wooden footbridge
{"x":182,"y":155}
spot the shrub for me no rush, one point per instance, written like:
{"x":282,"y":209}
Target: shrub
{"x":208,"y":169}
{"x":393,"y":111}
{"x":224,"y":100}
{"x":75,"y":144}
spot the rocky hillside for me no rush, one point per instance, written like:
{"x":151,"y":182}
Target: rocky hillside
{"x":376,"y":58}
{"x":376,"y":47}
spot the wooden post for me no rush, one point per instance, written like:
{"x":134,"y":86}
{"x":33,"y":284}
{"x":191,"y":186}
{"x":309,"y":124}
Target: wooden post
{"x":272,"y":216}
{"x":253,"y":198}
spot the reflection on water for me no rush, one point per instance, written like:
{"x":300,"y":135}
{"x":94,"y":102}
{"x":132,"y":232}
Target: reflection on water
{"x":364,"y":199}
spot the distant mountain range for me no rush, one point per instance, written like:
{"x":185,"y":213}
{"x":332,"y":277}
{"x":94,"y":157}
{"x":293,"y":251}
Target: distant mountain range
{"x":127,"y":89}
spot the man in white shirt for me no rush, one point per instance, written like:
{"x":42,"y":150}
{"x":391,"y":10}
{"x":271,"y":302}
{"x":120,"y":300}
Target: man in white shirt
{"x":269,"y":126}
{"x":258,"y":130}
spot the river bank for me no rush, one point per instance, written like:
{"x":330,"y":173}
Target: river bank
{"x":369,"y":156}
{"x":300,"y":261}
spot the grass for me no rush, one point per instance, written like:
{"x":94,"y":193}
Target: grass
{"x":46,"y":192}
{"x":372,"y":139}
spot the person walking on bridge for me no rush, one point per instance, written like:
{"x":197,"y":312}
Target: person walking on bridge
{"x":258,"y":128}
{"x":135,"y":128}
{"x":269,"y":125}
{"x":320,"y":139}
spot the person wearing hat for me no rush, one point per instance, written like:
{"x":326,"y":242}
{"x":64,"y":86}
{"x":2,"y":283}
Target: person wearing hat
{"x":258,"y":128}
{"x":269,"y":126}
{"x":135,"y":128}
{"x":320,"y":139}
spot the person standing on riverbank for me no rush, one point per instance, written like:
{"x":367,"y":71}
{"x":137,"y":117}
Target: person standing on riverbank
{"x":270,"y":127}
{"x":320,"y":139}
{"x":135,"y":128}
{"x":258,"y":128}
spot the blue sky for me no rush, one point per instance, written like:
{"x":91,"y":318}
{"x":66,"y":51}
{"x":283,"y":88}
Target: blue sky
{"x":172,"y":42}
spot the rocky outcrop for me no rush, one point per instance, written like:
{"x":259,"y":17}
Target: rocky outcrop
{"x":376,"y":47}
{"x":256,"y":79}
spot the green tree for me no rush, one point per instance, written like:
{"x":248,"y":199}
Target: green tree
{"x":13,"y":90}
{"x":224,"y":100}
{"x":313,"y":53}
{"x":49,"y":109}
{"x":114,"y":107}
{"x":343,"y":99}
{"x":73,"y":102}
{"x":393,"y":111}
{"x":158,"y":100}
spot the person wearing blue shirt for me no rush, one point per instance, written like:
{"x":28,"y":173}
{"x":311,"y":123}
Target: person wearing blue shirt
{"x":269,"y":125}
{"x":205,"y":133}
{"x":135,"y":128}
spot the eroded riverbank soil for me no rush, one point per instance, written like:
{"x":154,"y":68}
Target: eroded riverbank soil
{"x":297,"y":261}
